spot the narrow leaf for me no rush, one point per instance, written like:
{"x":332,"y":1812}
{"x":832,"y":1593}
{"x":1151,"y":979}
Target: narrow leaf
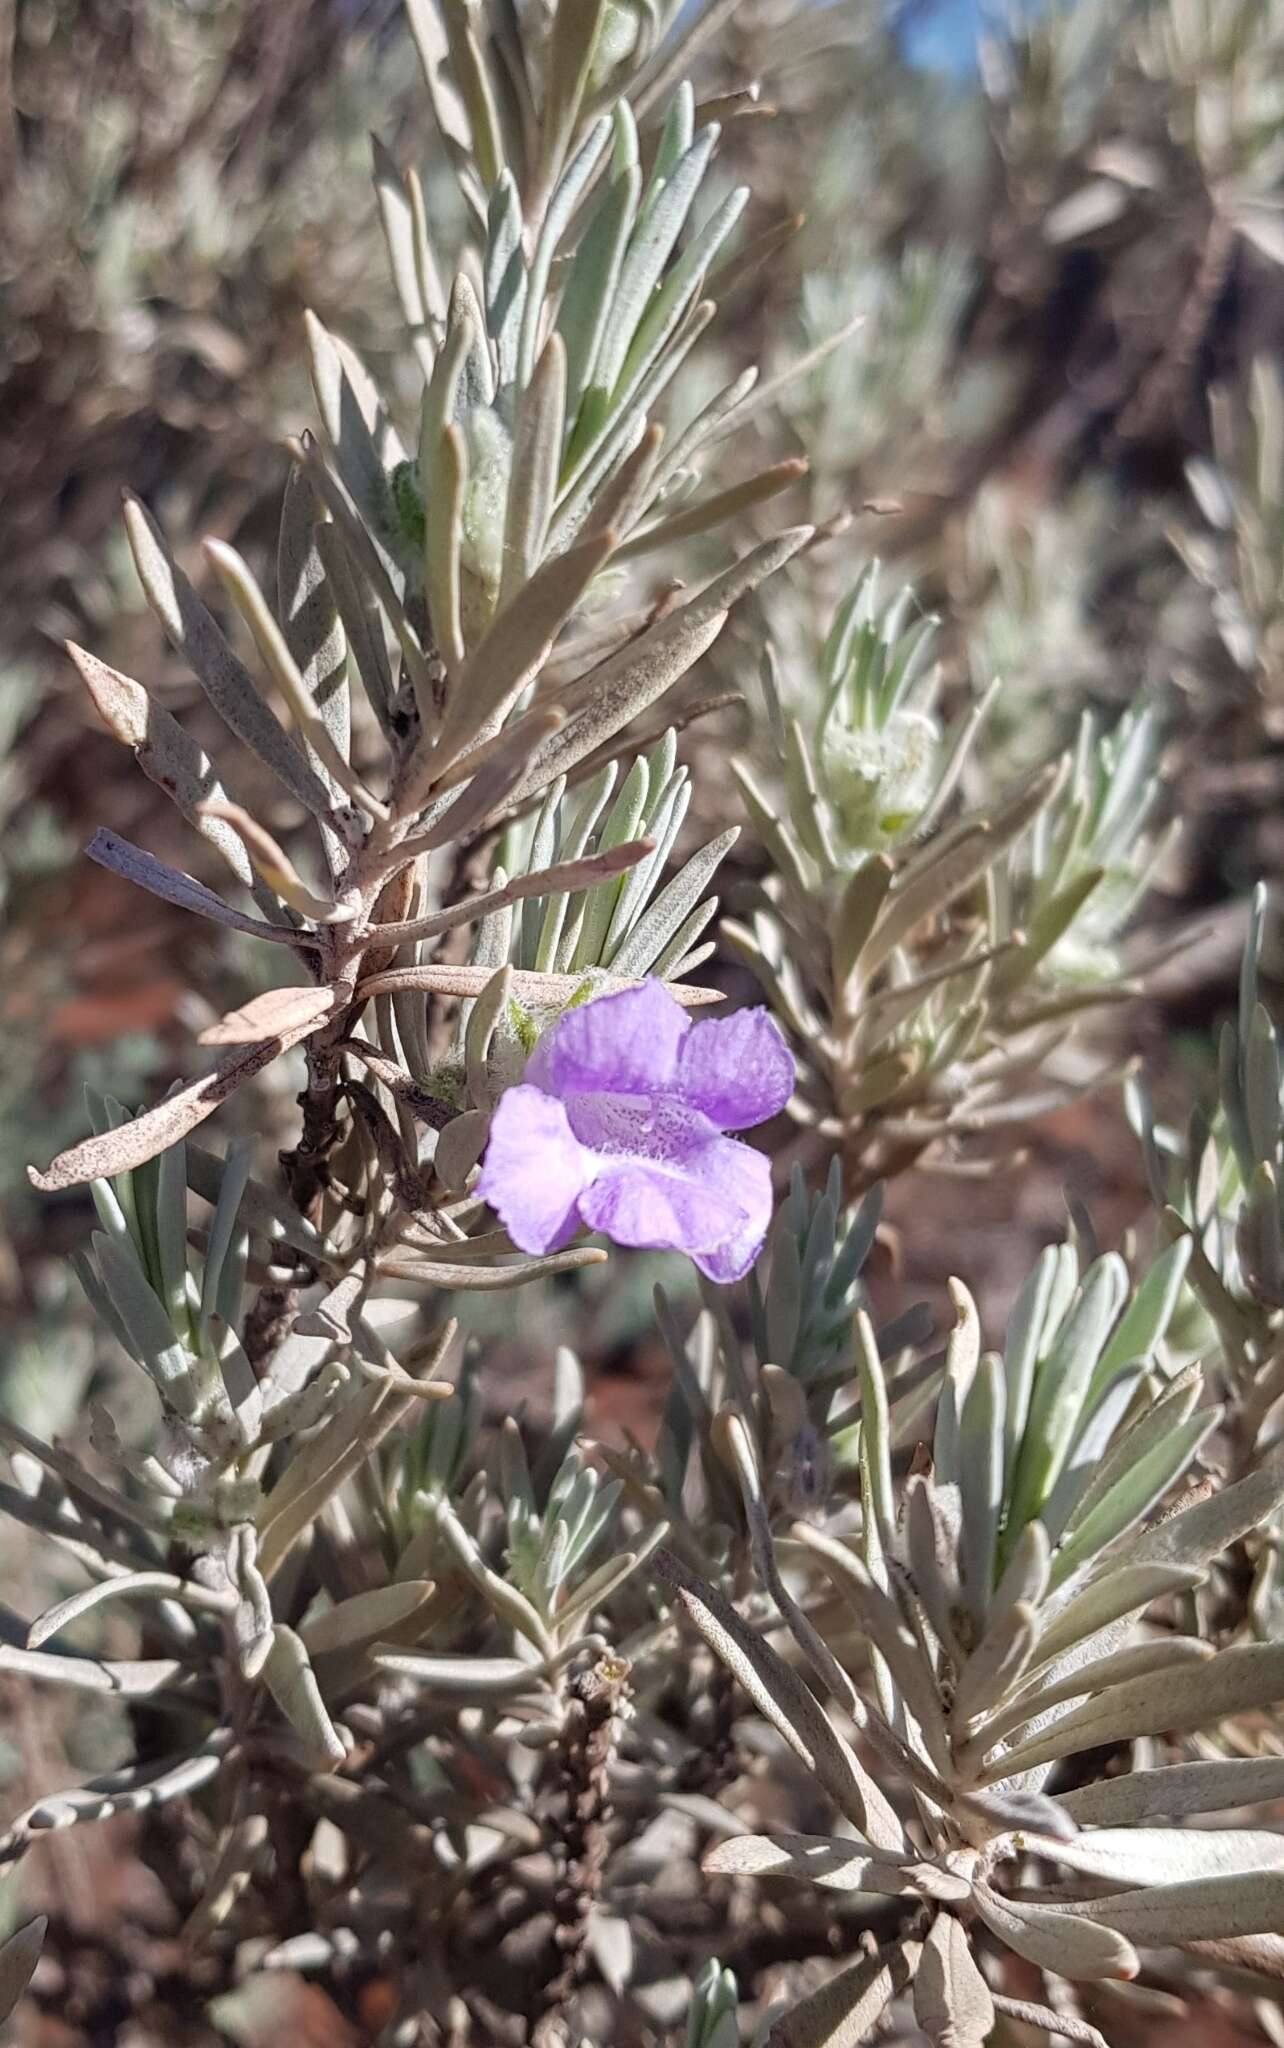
{"x":18,"y":1958}
{"x":362,"y":440}
{"x":118,"y":1151}
{"x":1205,"y":1909}
{"x":124,"y":1586}
{"x":779,"y":1694}
{"x":1169,"y":1856}
{"x":537,"y":455}
{"x":290,"y":1679}
{"x":952,"y":2001}
{"x":414,"y":280}
{"x":1119,"y":1591}
{"x":517,"y":644}
{"x":1064,"y":1943}
{"x":600,"y":703}
{"x":834,"y":1862}
{"x":164,"y":752}
{"x":364,"y":1617}
{"x":191,"y":631}
{"x":1200,"y":1533}
{"x":673,"y":911}
{"x":128,"y":1680}
{"x":1175,"y":1791}
{"x":173,"y":886}
{"x":846,"y":2010}
{"x":1177,"y":1701}
{"x":278,"y":659}
{"x":276,"y":1012}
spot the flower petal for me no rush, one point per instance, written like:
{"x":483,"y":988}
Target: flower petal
{"x":656,"y":1209}
{"x":625,"y":1044}
{"x":738,"y":1070}
{"x":534,"y":1170}
{"x":643,"y":1127}
{"x":743,"y":1175}
{"x":716,"y":1206}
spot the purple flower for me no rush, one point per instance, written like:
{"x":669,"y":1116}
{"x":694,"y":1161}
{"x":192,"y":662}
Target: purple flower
{"x":619,"y":1124}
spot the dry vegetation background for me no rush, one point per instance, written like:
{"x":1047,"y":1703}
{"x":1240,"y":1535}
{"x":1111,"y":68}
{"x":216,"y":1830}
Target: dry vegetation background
{"x":1071,"y":311}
